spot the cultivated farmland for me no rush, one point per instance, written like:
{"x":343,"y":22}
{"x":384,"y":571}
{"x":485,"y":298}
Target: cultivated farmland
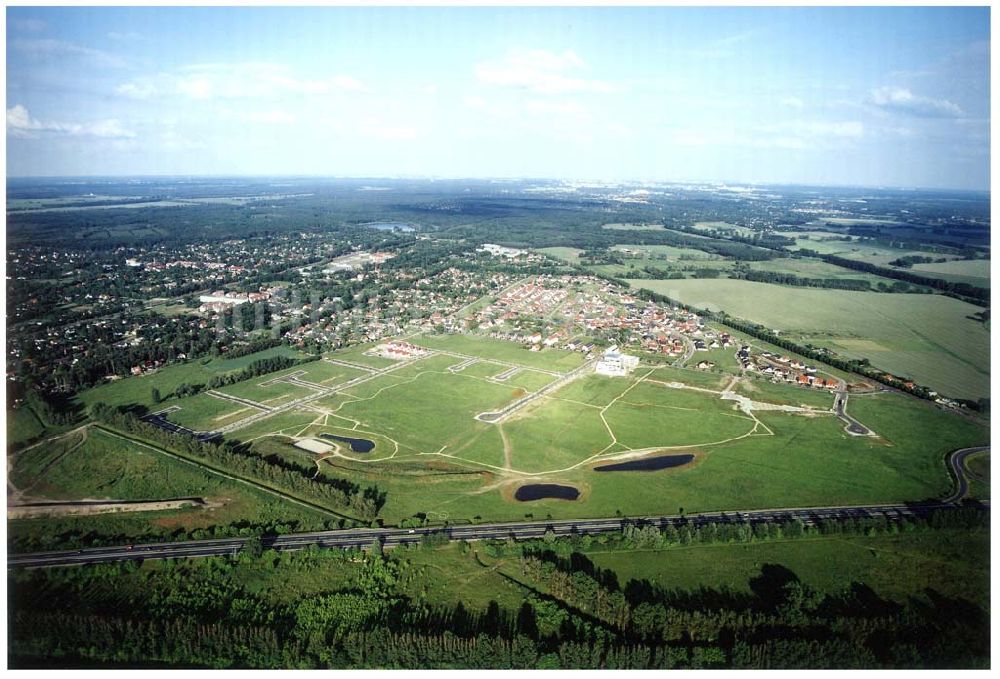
{"x":930,"y":338}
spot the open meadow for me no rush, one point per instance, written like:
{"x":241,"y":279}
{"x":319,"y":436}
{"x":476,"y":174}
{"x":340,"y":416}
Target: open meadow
{"x":95,"y":465}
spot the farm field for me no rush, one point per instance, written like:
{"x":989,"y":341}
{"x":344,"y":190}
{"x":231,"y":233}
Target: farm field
{"x":953,"y":563}
{"x":571,"y":255}
{"x":972,"y":271}
{"x":723,"y":226}
{"x":929,"y":338}
{"x":871,"y":253}
{"x":807,"y":267}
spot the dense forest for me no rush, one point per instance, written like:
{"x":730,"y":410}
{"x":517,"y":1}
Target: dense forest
{"x":573,"y":615}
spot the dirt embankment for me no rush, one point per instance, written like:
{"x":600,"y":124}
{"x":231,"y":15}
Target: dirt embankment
{"x":89,"y":508}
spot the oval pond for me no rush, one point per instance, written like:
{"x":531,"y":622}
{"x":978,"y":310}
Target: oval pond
{"x":647,"y":464}
{"x":541,"y":491}
{"x":357,"y":445}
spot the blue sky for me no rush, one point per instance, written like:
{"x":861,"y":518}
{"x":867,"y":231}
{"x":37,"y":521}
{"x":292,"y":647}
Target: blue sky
{"x":856,"y":96}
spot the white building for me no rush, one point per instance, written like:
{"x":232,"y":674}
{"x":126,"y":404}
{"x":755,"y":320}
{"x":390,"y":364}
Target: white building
{"x":616,"y":364}
{"x":499,"y":250}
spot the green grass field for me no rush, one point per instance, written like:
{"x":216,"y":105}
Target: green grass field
{"x":207,"y":413}
{"x":499,"y":350}
{"x":785,"y":394}
{"x":23,"y":425}
{"x":100,"y":466}
{"x":224,"y":365}
{"x":356,"y":354}
{"x":953,"y":563}
{"x":929,"y":338}
{"x":138,"y":390}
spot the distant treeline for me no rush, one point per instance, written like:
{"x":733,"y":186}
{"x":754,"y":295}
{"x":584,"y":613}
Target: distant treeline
{"x":971,"y":293}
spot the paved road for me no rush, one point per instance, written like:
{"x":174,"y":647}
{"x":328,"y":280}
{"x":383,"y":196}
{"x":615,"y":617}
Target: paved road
{"x":853,"y":426}
{"x":390,"y":537}
{"x":504,"y":413}
{"x":956,"y":465}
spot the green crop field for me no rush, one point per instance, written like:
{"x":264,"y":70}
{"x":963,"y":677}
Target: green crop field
{"x":723,"y":226}
{"x":871,"y":253}
{"x":571,"y":255}
{"x":929,"y":338}
{"x":808,"y":267}
{"x":972,"y":271}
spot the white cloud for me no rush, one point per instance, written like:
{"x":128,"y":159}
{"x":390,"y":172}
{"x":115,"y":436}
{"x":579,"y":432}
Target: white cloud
{"x":236,"y":81}
{"x":902,"y":100}
{"x":20,"y":123}
{"x":540,"y":71}
{"x":793,"y":102}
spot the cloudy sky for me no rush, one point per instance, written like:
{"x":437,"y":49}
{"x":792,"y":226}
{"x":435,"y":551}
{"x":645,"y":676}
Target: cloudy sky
{"x":848,"y":96}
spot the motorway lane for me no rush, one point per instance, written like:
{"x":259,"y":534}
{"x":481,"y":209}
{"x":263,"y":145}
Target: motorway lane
{"x":389,"y":537}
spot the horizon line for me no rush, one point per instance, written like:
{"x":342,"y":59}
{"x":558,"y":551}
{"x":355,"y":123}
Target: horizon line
{"x":734,"y":182}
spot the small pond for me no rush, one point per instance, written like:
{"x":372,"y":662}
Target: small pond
{"x":647,"y":464}
{"x":541,"y":491}
{"x":357,"y":445}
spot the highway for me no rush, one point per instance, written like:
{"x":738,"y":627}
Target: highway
{"x":391,"y":537}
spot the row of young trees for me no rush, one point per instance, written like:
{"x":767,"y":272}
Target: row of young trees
{"x":240,"y":459}
{"x":260,"y":367}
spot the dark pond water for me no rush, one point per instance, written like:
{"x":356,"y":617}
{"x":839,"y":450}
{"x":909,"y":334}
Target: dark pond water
{"x":540,"y":491}
{"x":647,"y":464}
{"x":357,"y":445}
